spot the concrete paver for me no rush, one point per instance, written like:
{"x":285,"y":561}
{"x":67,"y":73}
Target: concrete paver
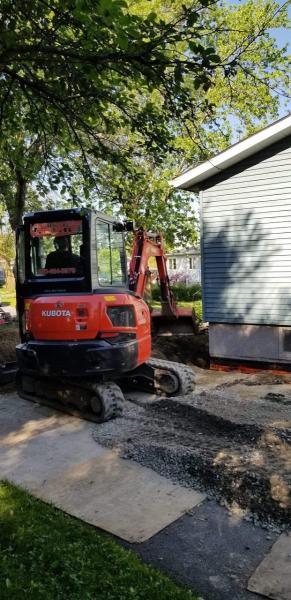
{"x":273,"y":576}
{"x":55,"y":457}
{"x":37,"y":443}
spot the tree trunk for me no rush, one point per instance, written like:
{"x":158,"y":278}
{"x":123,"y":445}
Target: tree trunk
{"x":20,"y":197}
{"x":16,"y":203}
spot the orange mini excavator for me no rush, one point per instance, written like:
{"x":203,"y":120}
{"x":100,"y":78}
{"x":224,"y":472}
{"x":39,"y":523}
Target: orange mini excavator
{"x":85,"y":332}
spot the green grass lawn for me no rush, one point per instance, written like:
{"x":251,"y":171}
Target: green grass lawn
{"x":45,"y":554}
{"x":8,"y":296}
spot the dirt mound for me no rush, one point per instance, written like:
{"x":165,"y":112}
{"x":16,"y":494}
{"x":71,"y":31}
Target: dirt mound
{"x":9,"y":338}
{"x":189,"y":349}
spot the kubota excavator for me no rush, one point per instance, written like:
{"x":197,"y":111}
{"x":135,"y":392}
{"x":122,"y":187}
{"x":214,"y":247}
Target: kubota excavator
{"x":85,"y":332}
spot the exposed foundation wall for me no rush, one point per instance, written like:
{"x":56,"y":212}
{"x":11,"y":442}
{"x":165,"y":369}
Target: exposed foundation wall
{"x":250,"y":342}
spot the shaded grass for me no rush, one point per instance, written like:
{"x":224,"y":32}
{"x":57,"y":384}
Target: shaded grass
{"x":45,"y":554}
{"x":197,"y":305}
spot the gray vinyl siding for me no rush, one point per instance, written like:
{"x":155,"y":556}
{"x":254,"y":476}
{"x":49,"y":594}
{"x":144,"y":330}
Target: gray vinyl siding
{"x":246,"y":241}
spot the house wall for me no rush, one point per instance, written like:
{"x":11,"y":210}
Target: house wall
{"x":183,"y":269}
{"x":246,"y":241}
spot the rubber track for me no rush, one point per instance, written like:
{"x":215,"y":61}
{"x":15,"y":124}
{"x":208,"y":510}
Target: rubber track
{"x":8,"y":371}
{"x":70,"y":409}
{"x":185,"y":374}
{"x":112,"y":399}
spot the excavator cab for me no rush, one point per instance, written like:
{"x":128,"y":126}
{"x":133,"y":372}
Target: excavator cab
{"x":70,"y":251}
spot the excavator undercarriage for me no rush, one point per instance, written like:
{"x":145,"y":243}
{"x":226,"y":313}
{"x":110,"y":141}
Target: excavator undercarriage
{"x":103,"y":400}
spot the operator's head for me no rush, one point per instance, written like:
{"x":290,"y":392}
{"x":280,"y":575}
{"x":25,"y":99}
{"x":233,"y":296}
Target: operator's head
{"x":61,"y":243}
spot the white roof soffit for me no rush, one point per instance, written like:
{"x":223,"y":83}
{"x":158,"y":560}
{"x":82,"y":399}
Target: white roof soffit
{"x":256,"y":142}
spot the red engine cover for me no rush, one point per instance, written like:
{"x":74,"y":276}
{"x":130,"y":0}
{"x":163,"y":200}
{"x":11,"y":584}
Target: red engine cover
{"x":85,"y":317}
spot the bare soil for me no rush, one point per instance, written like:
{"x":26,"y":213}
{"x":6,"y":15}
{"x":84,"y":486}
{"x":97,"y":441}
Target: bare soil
{"x":9,"y":338}
{"x":188,"y":349}
{"x":191,"y":350}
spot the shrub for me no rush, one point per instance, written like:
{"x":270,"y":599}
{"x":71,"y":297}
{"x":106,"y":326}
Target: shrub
{"x":181,"y":292}
{"x":156,"y":292}
{"x":177,"y":278}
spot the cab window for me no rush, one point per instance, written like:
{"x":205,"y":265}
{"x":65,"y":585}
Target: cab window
{"x":56,"y":249}
{"x":110,"y":256}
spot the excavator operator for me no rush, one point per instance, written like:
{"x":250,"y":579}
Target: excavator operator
{"x":63,"y":257}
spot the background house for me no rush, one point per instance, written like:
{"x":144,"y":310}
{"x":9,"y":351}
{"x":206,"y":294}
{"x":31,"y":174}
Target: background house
{"x":184,"y":266}
{"x":245,"y":195}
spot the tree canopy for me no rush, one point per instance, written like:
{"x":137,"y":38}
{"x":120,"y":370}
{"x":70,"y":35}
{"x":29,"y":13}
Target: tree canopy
{"x":75,"y":66}
{"x":103,"y":102}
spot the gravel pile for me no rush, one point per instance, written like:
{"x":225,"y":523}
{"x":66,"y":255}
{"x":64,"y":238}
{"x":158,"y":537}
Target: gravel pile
{"x":243,"y":464}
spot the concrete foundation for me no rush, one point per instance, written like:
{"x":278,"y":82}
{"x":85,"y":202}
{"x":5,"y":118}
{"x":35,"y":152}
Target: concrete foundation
{"x":250,"y":342}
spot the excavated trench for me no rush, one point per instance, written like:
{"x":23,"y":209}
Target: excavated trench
{"x":187,"y":349}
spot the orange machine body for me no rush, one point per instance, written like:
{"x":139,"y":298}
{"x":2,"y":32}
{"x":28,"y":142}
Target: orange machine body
{"x":86,"y":317}
{"x":78,"y":318}
{"x":79,"y":314}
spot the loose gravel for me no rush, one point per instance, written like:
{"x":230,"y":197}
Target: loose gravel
{"x":242,"y":459}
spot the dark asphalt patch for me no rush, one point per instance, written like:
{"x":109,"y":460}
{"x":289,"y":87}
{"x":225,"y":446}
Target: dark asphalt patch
{"x":211,"y":551}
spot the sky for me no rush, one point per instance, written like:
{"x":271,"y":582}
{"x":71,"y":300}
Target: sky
{"x":283,"y":37}
{"x":282,"y":34}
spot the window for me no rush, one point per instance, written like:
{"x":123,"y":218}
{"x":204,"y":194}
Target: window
{"x":172,"y":263}
{"x":191,"y":262}
{"x":56,"y":249}
{"x":110,"y":255}
{"x":286,"y":341}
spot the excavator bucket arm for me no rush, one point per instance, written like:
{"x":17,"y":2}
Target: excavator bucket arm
{"x":170,"y":319}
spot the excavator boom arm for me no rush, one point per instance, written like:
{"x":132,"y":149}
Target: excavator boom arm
{"x":146,"y":246}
